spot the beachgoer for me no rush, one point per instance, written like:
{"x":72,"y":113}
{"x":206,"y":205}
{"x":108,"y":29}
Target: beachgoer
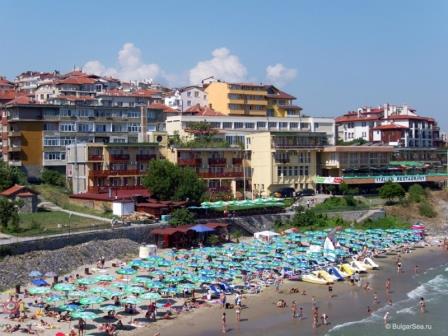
{"x":313,"y":302}
{"x":388,"y":284}
{"x":300,"y":315}
{"x":103,"y":261}
{"x":222,"y":298}
{"x":399,"y":267}
{"x":369,"y":311}
{"x":386,"y":318}
{"x":81,"y":327}
{"x":294,"y":309}
{"x":422,"y":305}
{"x":223,"y":323}
{"x":375,"y":298}
{"x":238,"y":312}
{"x":324,"y":319}
{"x":416,"y":269}
{"x":330,"y":291}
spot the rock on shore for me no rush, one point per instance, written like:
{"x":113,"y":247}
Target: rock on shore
{"x":15,"y":269}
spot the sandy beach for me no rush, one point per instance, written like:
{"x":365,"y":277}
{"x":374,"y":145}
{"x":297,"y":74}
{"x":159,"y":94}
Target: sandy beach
{"x":259,"y":315}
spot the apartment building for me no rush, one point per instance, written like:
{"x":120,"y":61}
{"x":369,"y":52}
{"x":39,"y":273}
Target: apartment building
{"x":393,"y":125}
{"x":99,"y":168}
{"x":284,"y":159}
{"x":186,"y":97}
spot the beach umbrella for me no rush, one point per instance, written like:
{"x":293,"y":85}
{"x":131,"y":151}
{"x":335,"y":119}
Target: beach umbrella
{"x":70,"y":307}
{"x":126,"y":271}
{"x":53,"y":299}
{"x":119,"y":284}
{"x":111,"y":308}
{"x":86,"y":281}
{"x":64,"y":287}
{"x":77,"y":293}
{"x":131,"y":300}
{"x":140,"y":280}
{"x":39,"y":290}
{"x":110,"y":293}
{"x":90,"y":300}
{"x":98,"y":290}
{"x":135,"y":290}
{"x":35,"y":274}
{"x":105,"y":277}
{"x":151,"y":296}
{"x":201,"y":228}
{"x":85,"y":315}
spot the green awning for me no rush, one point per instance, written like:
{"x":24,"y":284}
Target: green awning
{"x":413,"y":164}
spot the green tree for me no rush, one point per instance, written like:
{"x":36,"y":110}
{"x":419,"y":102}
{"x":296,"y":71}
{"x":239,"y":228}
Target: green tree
{"x":181,"y":216}
{"x":167,"y":181}
{"x":53,"y":177}
{"x":416,"y":193}
{"x":391,"y":191}
{"x":10,"y":176}
{"x":9,"y":214}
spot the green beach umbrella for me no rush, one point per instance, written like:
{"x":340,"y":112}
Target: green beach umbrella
{"x":70,"y":307}
{"x":111,"y":308}
{"x":39,"y":290}
{"x":64,"y":287}
{"x":126,"y":271}
{"x":111,"y":293}
{"x":151,"y":296}
{"x":77,"y":293}
{"x":135,"y":290}
{"x":90,"y":300}
{"x":105,"y":277}
{"x":86,"y":281}
{"x":120,"y":284}
{"x":98,"y":290}
{"x":53,"y":299}
{"x":84,"y":315}
{"x":131,"y":300}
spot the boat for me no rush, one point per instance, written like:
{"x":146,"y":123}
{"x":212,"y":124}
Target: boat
{"x":324,"y":275}
{"x":358,"y":266}
{"x":346,"y":268}
{"x":369,"y":261}
{"x":337,"y":274}
{"x":311,"y":278}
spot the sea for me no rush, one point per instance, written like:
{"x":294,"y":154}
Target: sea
{"x":404,"y":316}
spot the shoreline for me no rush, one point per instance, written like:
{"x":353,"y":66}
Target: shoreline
{"x":350,"y":303}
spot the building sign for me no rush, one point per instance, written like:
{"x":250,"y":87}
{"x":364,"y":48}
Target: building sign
{"x":329,"y":180}
{"x":400,"y":178}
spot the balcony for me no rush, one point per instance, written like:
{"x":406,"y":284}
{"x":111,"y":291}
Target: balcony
{"x":15,"y":163}
{"x":145,"y":157}
{"x":14,"y":133}
{"x":105,"y":173}
{"x":220,"y":175}
{"x":95,"y":157}
{"x":105,"y":189}
{"x":217,"y":161}
{"x":189,"y":162}
{"x":237,"y":161}
{"x":14,"y":149}
{"x":119,"y":157}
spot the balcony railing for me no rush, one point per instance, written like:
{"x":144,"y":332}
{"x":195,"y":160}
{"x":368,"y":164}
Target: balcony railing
{"x":145,"y":157}
{"x":221,"y":175}
{"x":119,"y":157}
{"x":95,"y":157}
{"x":217,"y":161}
{"x":127,"y":172}
{"x":189,"y":162}
{"x":105,"y":189}
{"x":14,"y":133}
{"x":237,"y":161}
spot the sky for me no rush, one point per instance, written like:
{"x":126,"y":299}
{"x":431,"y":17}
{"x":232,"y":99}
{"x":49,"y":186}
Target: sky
{"x":334,"y":56}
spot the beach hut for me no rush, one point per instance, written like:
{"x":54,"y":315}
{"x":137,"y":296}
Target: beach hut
{"x":265,"y":236}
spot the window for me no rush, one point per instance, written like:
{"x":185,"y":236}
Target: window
{"x":51,"y":141}
{"x":249,"y":125}
{"x":238,"y":125}
{"x":67,"y":127}
{"x":136,"y":114}
{"x":215,"y":124}
{"x":293,"y":125}
{"x":189,"y":94}
{"x":296,"y":171}
{"x":196,"y":94}
{"x":135,"y":128}
{"x":363,"y":124}
{"x":85,"y":127}
{"x":316,"y":125}
{"x":364,"y":134}
{"x":119,"y":128}
{"x":261,"y":124}
{"x":283,"y":125}
{"x":100,"y":128}
{"x":50,"y":127}
{"x":118,"y":140}
{"x":279,"y":171}
{"x":306,"y":173}
{"x":226,"y":124}
{"x":53,"y":156}
{"x":188,"y":102}
{"x":272,"y":125}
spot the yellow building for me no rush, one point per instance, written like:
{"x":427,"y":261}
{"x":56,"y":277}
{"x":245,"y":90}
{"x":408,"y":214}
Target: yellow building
{"x":237,"y":98}
{"x":284,"y":159}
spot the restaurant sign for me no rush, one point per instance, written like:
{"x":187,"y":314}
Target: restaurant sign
{"x":329,"y":180}
{"x":400,"y":178}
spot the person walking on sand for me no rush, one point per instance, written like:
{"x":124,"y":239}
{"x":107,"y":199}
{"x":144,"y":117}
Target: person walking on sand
{"x":416,"y":269}
{"x":375,"y":298}
{"x":294,"y":309}
{"x":388,"y":284}
{"x":223,"y":323}
{"x":300,"y":316}
{"x":238,"y":312}
{"x":81,"y":327}
{"x":422,"y":305}
{"x":399,"y":267}
{"x":386,"y":318}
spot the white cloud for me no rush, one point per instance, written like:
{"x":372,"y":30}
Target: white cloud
{"x":223,"y":65}
{"x":131,"y":66}
{"x":280,"y":75}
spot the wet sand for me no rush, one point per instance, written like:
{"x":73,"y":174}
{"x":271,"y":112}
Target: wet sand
{"x":262,"y":317}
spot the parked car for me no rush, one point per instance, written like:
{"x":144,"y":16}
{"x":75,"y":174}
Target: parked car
{"x":306,"y":192}
{"x":284,"y":193}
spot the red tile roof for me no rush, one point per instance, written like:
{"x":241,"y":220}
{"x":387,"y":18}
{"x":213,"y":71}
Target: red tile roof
{"x":117,"y":195}
{"x":390,"y":126}
{"x":17,"y":189}
{"x":76,"y":80}
{"x":120,"y":93}
{"x":163,"y":107}
{"x":7,"y":95}
{"x":410,"y":117}
{"x":203,"y":111}
{"x":21,"y":100}
{"x":347,"y":118}
{"x":281,"y":95}
{"x":75,"y":98}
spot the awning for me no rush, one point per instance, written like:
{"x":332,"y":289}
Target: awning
{"x":201,"y":228}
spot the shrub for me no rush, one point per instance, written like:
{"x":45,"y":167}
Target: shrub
{"x":391,"y":191}
{"x":213,"y":239}
{"x":426,"y":210}
{"x":181,"y":216}
{"x":53,"y":177}
{"x":416,"y":193}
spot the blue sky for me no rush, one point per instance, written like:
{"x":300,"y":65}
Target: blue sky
{"x":332,"y":55}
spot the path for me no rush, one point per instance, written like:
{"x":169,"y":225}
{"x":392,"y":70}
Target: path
{"x":52,"y":207}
